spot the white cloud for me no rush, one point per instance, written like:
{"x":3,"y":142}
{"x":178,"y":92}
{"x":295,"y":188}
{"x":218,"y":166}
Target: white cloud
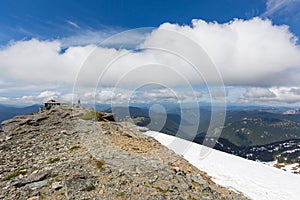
{"x":259,"y":93}
{"x":39,"y":63}
{"x":125,"y":96}
{"x":273,"y":6}
{"x":73,"y":24}
{"x":253,"y":52}
{"x":84,"y":38}
{"x":39,"y":98}
{"x":288,"y":95}
{"x":48,"y":94}
{"x":295,"y":91}
{"x":246,"y":52}
{"x":109,"y":96}
{"x":107,"y":37}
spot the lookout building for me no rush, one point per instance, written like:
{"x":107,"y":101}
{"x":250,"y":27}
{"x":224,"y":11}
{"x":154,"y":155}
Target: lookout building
{"x":49,"y":104}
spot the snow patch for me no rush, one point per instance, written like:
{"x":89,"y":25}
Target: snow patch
{"x":256,"y":180}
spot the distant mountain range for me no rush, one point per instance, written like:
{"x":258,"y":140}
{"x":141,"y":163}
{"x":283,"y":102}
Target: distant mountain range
{"x":9,"y":111}
{"x":260,"y":127}
{"x":263,"y":134}
{"x":243,"y":128}
{"x":256,"y":133}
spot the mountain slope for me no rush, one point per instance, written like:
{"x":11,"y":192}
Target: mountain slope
{"x":243,"y":127}
{"x":251,"y":128}
{"x":7,"y":112}
{"x":254,"y":179}
{"x":63,"y":153}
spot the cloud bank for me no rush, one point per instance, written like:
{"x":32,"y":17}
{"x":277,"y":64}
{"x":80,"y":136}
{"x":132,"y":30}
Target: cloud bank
{"x":288,"y":95}
{"x":247,"y":53}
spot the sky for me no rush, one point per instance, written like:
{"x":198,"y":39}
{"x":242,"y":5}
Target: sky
{"x":246,"y":52}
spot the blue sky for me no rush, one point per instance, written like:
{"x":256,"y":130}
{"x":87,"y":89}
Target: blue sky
{"x":57,"y":19}
{"x":253,"y":43}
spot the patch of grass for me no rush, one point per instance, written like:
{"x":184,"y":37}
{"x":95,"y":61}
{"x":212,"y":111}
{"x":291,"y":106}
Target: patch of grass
{"x":53,"y":175}
{"x":19,"y":129}
{"x":90,"y":188}
{"x":121,"y":194}
{"x":161,"y":190}
{"x":136,"y":120}
{"x":92,"y":115}
{"x":54,"y":160}
{"x":100,"y":164}
{"x":127,"y":134}
{"x":75,"y":147}
{"x":13,"y":175}
{"x":10,"y":176}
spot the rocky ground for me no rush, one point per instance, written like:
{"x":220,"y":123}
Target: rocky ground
{"x":60,"y":154}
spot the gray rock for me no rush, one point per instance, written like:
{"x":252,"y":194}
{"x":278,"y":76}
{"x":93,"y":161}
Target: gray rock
{"x":154,"y":179}
{"x":34,"y":177}
{"x":41,"y":118}
{"x":108,"y":117}
{"x":86,"y":159}
{"x":197,"y":179}
{"x":36,"y":185}
{"x":56,"y":185}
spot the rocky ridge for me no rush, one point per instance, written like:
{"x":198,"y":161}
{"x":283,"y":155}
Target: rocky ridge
{"x":59,"y":154}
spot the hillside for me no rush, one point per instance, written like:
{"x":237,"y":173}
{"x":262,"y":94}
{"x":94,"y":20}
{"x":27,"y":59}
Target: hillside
{"x":256,"y":127}
{"x":244,"y":127}
{"x":254,"y":179}
{"x":63,"y":153}
{"x":7,"y":112}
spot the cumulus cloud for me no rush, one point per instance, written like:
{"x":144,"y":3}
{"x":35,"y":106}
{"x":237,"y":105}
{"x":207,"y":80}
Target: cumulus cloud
{"x":34,"y":99}
{"x":250,"y":53}
{"x":295,"y":91}
{"x":126,"y":96}
{"x":259,"y":93}
{"x":110,"y":96}
{"x":40,"y":63}
{"x":48,"y":94}
{"x":274,"y":94}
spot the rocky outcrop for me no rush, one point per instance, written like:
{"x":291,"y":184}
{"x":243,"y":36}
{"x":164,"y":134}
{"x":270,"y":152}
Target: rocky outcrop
{"x":56,"y":154}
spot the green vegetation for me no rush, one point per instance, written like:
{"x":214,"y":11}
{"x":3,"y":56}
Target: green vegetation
{"x":92,"y":115}
{"x":260,"y":131}
{"x":126,"y":135}
{"x":121,"y":194}
{"x":137,"y":120}
{"x":53,"y":111}
{"x":54,"y":160}
{"x":161,"y":190}
{"x":90,"y":188}
{"x":100,"y":164}
{"x":75,"y":147}
{"x":13,"y":175}
{"x":53,"y":175}
{"x":288,"y":158}
{"x":19,"y":129}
